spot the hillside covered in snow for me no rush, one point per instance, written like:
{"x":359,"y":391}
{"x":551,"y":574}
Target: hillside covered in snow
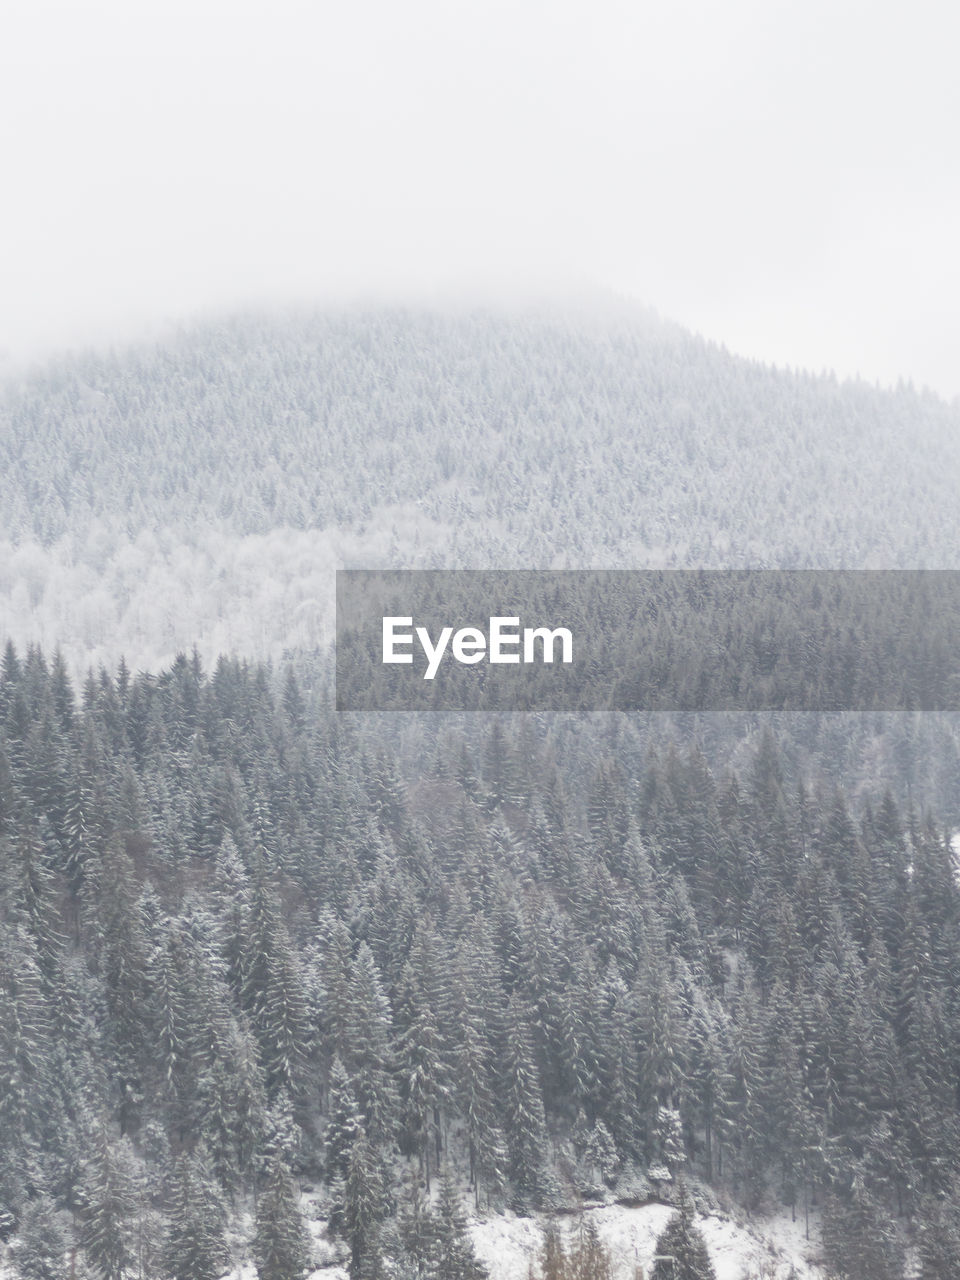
{"x":284,"y":990}
{"x":201,"y":490}
{"x":251,"y":946}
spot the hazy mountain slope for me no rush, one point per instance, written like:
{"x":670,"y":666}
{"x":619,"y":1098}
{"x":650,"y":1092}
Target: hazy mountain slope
{"x":244,"y":937}
{"x":142,"y":491}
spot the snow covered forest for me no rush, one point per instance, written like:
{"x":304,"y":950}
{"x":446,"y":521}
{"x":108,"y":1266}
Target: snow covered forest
{"x":284,"y":990}
{"x":245,"y":943}
{"x":201,"y":491}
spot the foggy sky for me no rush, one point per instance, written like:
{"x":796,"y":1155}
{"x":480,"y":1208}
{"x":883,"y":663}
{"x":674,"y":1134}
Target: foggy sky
{"x":783,"y":178}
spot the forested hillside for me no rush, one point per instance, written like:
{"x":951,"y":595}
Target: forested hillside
{"x":245,"y":941}
{"x":201,"y":490}
{"x":252,"y":948}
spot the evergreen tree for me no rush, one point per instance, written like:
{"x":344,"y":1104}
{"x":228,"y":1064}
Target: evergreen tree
{"x":274,"y":992}
{"x":344,"y":1124}
{"x":417,"y":1228}
{"x":41,"y":1248}
{"x":425,"y":1079}
{"x":682,"y":1241}
{"x":371,"y":1058}
{"x":526,"y":1127}
{"x":270,"y":930}
{"x":109,"y":1206}
{"x":600,"y":1154}
{"x":938,"y":1247}
{"x":860,"y":1241}
{"x":280,"y":1248}
{"x":454,"y":1255}
{"x":195,"y":1247}
{"x":364,"y":1206}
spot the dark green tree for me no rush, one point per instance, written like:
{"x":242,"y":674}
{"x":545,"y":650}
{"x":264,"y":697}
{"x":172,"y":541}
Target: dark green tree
{"x":682,"y":1241}
{"x":281,"y":1247}
{"x":195,"y":1247}
{"x":41,"y":1247}
{"x":454,"y":1254}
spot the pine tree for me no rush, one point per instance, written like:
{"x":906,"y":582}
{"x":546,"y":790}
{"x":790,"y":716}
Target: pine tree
{"x":417,"y":1228}
{"x":230,"y":1104}
{"x":274,"y":993}
{"x":682,"y":1241}
{"x":171,"y":1021}
{"x":231,"y":894}
{"x":423,"y":1079}
{"x":474,"y":1076}
{"x":860,"y":1241}
{"x":344,"y":1124}
{"x":336,"y":971}
{"x":526,"y":1126}
{"x":40,"y":1252}
{"x":24,"y":1045}
{"x":600,"y":1155}
{"x":126,"y":972}
{"x":488,"y":1155}
{"x":364,"y":1206}
{"x":370,"y":1055}
{"x":281,"y":1248}
{"x":619,"y":1028}
{"x":588,"y":1259}
{"x":712,"y":1081}
{"x":38,"y":897}
{"x":938,"y":1246}
{"x":109,"y":1208}
{"x":195,"y":1248}
{"x":454,"y":1255}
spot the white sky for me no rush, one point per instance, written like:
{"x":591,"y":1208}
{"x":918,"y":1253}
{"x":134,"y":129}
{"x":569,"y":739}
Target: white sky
{"x":784,"y":178}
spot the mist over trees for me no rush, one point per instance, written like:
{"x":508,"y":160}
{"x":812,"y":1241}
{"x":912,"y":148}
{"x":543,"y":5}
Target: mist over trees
{"x":261,"y":963}
{"x":200,"y":491}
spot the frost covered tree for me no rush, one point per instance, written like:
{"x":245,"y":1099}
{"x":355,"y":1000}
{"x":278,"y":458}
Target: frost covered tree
{"x":417,"y":1227}
{"x":281,"y":1247}
{"x":195,"y":1247}
{"x":300,"y":939}
{"x":363,"y":1205}
{"x":371,"y":1056}
{"x":682,"y":1240}
{"x":110,"y":1202}
{"x":274,"y":993}
{"x":525,"y":1120}
{"x":860,"y":1238}
{"x":41,"y":1247}
{"x":600,"y":1154}
{"x":344,"y":1125}
{"x":938,"y":1246}
{"x":454,"y":1254}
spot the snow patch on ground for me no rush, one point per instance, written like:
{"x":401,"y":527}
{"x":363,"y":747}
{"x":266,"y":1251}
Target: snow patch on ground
{"x":764,"y":1250}
{"x":326,"y":1255}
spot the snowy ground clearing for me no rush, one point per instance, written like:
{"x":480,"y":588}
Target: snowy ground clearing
{"x":763,"y":1250}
